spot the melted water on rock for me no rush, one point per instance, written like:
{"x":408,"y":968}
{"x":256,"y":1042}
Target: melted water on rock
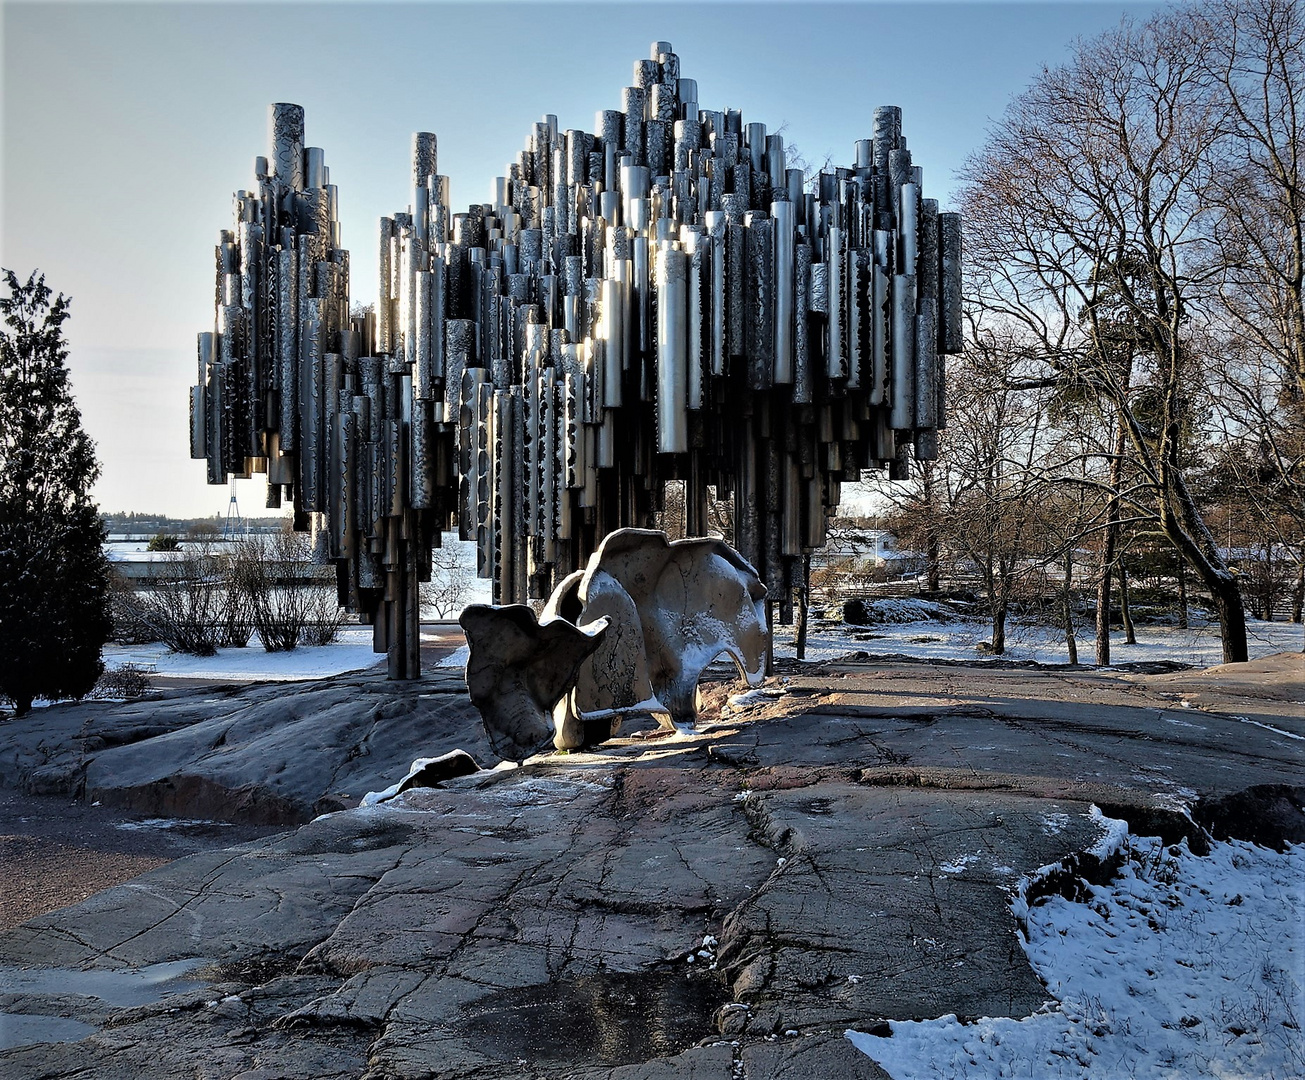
{"x":613,"y":1018}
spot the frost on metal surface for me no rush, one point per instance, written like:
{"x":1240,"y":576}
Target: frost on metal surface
{"x":663,"y":298}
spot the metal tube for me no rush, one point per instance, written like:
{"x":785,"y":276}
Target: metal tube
{"x":285,"y":123}
{"x":878,"y":335}
{"x":802,"y":388}
{"x":903,"y":347}
{"x":695,"y":245}
{"x":386,"y":277}
{"x":782,"y":212}
{"x":926,"y":364}
{"x":759,"y":335}
{"x":716,"y":226}
{"x":423,"y":375}
{"x":835,"y":356}
{"x":614,"y":336}
{"x":908,"y":229}
{"x":949,"y":229}
{"x":672,"y":349}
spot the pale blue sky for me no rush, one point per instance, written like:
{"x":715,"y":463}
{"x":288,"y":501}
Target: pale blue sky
{"x":126,"y":127}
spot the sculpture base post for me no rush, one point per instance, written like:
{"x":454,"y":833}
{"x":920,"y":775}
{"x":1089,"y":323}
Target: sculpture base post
{"x":403,"y":614}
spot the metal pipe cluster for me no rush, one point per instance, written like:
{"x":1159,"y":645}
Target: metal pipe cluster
{"x":660,"y":299}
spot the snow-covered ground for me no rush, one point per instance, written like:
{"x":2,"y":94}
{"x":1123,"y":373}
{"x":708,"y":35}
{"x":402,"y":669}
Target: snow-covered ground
{"x":959,"y":640}
{"x":1183,"y":966}
{"x":351,"y":651}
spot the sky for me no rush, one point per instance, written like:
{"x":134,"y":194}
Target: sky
{"x":127,"y":126}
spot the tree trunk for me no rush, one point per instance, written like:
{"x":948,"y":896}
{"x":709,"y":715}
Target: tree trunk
{"x":933,"y":565}
{"x":1266,"y":602}
{"x":1232,"y":618}
{"x":932,"y":553}
{"x":22,"y":706}
{"x":1182,"y":592}
{"x":1298,"y":593}
{"x":1189,"y":533}
{"x":1108,"y":546}
{"x":1130,"y":637}
{"x":998,"y":623}
{"x":804,"y":599}
{"x":1068,"y":607}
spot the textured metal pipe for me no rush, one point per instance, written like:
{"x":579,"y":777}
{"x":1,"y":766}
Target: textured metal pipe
{"x":717,"y":225}
{"x":879,"y":318}
{"x":949,"y":227}
{"x":802,"y":381}
{"x":858,"y":315}
{"x":422,"y":472}
{"x":929,"y":272}
{"x":926,"y":364}
{"x":287,"y":323}
{"x":734,"y":206}
{"x":887,"y":134}
{"x":423,"y":375}
{"x":759,"y":330}
{"x":285,"y":123}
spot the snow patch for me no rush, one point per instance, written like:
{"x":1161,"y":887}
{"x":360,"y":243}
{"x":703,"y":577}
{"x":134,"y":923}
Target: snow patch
{"x":456,"y":659}
{"x":1182,"y":966}
{"x":168,"y":823}
{"x":1199,"y":646}
{"x":351,"y":651}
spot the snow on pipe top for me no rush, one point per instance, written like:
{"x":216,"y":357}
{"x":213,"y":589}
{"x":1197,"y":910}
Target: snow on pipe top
{"x":660,"y":299}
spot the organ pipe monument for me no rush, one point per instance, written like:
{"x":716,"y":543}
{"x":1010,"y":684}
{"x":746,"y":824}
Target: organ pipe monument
{"x":662,"y":298}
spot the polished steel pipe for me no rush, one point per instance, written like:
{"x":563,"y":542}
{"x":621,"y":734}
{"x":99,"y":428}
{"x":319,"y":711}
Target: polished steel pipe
{"x":783,"y":215}
{"x":903,"y":351}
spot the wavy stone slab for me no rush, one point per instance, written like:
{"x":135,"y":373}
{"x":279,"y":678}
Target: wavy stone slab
{"x":518,"y":669}
{"x":673,"y":607}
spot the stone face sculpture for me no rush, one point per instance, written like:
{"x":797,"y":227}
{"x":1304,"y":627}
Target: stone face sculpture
{"x":519,"y":669}
{"x":671,"y":607}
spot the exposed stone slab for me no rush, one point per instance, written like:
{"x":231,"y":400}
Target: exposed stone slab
{"x":710,"y":906}
{"x":267,"y":754}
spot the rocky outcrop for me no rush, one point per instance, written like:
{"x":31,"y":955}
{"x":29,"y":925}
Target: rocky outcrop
{"x":710,"y":905}
{"x":268,"y":754}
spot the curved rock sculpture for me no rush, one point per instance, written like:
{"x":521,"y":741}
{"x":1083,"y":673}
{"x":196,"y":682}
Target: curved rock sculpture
{"x":519,"y":669}
{"x":672,"y":607}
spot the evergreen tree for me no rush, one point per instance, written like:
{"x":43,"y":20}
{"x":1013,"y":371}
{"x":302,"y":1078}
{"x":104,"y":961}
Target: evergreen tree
{"x":54,"y":588}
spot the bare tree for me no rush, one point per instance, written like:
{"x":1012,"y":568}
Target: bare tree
{"x":449,"y":588}
{"x":185,"y":607}
{"x":1085,"y":227}
{"x":1254,"y":53}
{"x":273,"y":573}
{"x":992,"y":468}
{"x":1256,"y":61}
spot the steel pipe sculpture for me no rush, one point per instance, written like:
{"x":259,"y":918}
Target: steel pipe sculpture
{"x":660,"y":299}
